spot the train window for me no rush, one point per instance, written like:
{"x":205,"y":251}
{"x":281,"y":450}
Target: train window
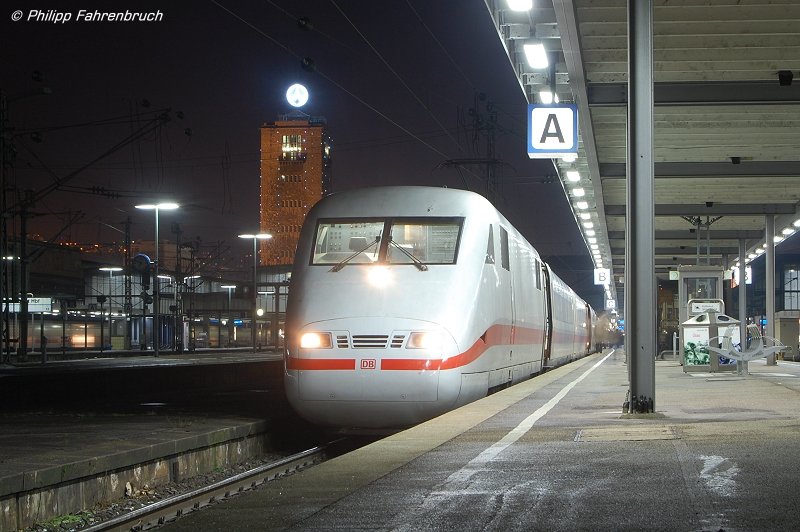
{"x":417,"y":241}
{"x":490,"y":246}
{"x":428,"y":242}
{"x":504,"y":260}
{"x":537,"y":274}
{"x":338,"y":240}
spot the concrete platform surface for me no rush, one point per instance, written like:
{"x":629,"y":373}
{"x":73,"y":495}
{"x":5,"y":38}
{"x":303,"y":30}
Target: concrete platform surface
{"x":72,"y":433}
{"x":722,"y":452}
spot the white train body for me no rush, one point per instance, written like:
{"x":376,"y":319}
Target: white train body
{"x":377,"y":339}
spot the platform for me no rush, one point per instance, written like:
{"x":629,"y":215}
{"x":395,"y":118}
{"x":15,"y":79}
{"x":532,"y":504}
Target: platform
{"x":555,"y":453}
{"x":74,"y":432}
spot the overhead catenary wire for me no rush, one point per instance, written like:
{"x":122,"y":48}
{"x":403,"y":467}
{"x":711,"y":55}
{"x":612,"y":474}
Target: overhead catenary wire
{"x":396,"y":75}
{"x":441,"y":46}
{"x":332,"y":81}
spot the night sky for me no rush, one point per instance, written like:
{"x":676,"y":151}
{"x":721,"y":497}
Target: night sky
{"x":395,"y":81}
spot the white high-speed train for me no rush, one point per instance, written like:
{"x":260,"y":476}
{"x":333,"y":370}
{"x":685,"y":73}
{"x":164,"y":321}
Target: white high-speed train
{"x":407,"y":302}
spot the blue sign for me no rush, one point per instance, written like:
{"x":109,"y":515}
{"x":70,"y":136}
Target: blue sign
{"x":552,"y":130}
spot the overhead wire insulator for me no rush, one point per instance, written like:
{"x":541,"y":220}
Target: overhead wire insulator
{"x":308,"y":64}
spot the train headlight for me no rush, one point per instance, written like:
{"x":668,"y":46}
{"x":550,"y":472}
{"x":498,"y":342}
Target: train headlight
{"x":424,"y":340}
{"x":316,"y":340}
{"x":379,"y":276}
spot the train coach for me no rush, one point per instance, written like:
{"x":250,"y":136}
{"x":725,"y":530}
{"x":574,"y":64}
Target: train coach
{"x":407,"y":302}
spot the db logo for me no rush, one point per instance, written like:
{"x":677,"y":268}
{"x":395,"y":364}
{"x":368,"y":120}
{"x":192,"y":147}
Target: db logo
{"x":369,"y":363}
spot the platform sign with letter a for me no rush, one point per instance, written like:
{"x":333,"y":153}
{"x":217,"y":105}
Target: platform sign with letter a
{"x":552,"y":130}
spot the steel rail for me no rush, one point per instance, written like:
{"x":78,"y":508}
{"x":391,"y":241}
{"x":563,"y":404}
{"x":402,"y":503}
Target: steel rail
{"x":167,"y":510}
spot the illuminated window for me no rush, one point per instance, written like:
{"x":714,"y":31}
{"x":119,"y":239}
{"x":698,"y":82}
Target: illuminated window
{"x":292,"y":147}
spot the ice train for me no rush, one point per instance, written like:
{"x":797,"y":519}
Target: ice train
{"x":407,"y":302}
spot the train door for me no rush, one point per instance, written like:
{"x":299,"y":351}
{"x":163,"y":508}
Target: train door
{"x":588,"y":322}
{"x":505,"y":263}
{"x":548,"y":313}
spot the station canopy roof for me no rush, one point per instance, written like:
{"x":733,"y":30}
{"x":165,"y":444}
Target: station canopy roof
{"x":726,"y":119}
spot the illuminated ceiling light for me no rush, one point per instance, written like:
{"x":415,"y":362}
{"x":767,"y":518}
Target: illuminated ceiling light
{"x":585,"y":216}
{"x":796,"y":223}
{"x":590,"y":232}
{"x":788,"y":231}
{"x":752,"y":256}
{"x":546,"y":97}
{"x":520,"y":5}
{"x":535,"y":54}
{"x":588,"y":225}
{"x":578,"y":192}
{"x":582,"y":205}
{"x":571,"y":157}
{"x":759,"y":251}
{"x":573,"y":175}
{"x":777,"y":238}
{"x":592,"y":240}
{"x":594,"y":246}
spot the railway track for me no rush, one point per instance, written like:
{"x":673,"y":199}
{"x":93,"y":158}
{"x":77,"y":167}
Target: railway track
{"x":167,"y":510}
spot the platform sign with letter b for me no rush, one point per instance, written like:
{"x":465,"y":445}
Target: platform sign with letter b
{"x":602,"y":276}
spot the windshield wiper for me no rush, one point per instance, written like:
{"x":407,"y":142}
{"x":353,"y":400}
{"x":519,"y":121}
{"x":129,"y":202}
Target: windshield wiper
{"x":418,"y":263}
{"x":344,"y":262}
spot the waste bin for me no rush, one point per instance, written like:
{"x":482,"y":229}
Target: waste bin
{"x":702,"y":330}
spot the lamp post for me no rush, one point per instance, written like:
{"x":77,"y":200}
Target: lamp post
{"x":156,"y":207}
{"x":255,"y":237}
{"x":110,"y":270}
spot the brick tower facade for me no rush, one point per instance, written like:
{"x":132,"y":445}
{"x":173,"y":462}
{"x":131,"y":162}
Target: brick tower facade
{"x":295,"y":174}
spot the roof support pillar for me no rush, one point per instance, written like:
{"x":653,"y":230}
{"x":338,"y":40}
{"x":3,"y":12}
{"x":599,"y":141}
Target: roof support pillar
{"x":741,"y":366}
{"x":640,"y":279}
{"x":769,"y":239}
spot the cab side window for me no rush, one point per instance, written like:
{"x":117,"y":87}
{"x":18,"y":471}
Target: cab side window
{"x":504,"y":260}
{"x":490,"y":246}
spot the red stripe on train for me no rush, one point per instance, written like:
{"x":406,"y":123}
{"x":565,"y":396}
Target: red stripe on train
{"x":495,"y":335}
{"x":320,"y":363}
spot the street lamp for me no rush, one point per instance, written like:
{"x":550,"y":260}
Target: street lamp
{"x":255,"y":237}
{"x":110,"y":270}
{"x":156,"y":207}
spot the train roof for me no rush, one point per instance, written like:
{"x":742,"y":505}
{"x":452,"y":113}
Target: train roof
{"x":402,"y":201}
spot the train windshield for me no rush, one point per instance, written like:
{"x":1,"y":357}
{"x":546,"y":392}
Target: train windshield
{"x":417,"y":241}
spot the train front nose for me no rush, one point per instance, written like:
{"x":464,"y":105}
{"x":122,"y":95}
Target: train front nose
{"x":366,"y":374}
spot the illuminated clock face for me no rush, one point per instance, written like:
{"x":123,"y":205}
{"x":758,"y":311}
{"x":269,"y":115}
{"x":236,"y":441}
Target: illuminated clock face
{"x":297,"y":95}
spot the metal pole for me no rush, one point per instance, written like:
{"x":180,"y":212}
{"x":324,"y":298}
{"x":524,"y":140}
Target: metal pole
{"x":5,"y":293}
{"x":640,"y":282}
{"x":110,"y":293}
{"x":255,"y":290}
{"x":741,"y":367}
{"x":156,"y":330}
{"x":770,"y":282}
